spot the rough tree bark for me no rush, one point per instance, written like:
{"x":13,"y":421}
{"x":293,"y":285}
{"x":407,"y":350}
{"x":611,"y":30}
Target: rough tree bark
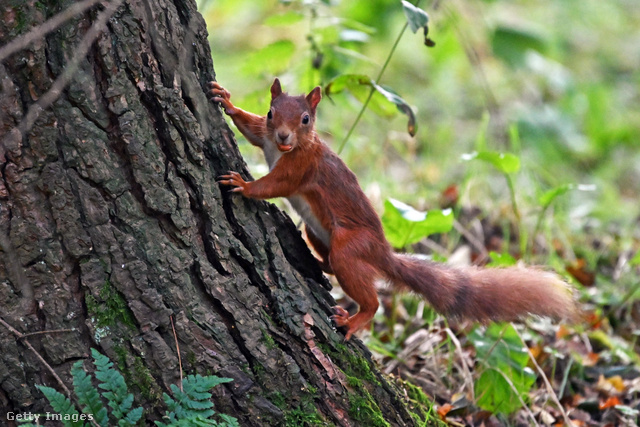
{"x":112,"y":224}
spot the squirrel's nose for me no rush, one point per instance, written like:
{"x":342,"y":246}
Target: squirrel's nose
{"x":282,"y":136}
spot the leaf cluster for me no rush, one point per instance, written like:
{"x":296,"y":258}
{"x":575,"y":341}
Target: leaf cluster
{"x":190,"y":404}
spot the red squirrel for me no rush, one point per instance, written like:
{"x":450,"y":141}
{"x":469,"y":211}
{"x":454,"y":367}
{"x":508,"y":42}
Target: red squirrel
{"x":345,"y":231}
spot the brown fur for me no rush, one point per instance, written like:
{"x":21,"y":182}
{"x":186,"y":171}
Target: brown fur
{"x":355,"y":249}
{"x":484,"y":294}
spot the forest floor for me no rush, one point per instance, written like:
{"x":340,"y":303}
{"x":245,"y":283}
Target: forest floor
{"x":534,"y":372}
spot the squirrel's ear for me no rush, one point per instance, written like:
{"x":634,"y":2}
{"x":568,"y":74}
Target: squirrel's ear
{"x":314,"y":98}
{"x":276,"y":89}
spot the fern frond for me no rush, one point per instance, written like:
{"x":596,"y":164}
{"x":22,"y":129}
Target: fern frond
{"x":115,"y":390}
{"x":198,"y":421}
{"x":62,"y":405}
{"x":200,"y":383}
{"x":132,"y":417}
{"x":88,"y":396}
{"x":192,"y":405}
{"x":228,"y":420}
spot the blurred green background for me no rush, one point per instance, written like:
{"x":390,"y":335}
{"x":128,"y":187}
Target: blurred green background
{"x":554,"y":82}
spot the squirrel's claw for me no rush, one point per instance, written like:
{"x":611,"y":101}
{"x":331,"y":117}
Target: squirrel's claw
{"x":219,"y":94}
{"x":340,"y":316}
{"x":233,"y":179}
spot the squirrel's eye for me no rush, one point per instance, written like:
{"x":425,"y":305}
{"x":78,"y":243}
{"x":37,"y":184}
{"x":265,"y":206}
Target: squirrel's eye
{"x":305,"y":119}
{"x":269,"y":115}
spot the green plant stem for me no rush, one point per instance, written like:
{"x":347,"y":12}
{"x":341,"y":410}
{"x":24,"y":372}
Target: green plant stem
{"x":512,"y":193}
{"x":373,"y":89}
{"x":516,"y":211}
{"x":537,"y":228}
{"x":496,"y":342}
{"x":393,"y":318}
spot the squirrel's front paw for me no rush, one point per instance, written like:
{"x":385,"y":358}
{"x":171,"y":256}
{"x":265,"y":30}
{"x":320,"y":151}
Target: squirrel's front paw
{"x":219,"y":94}
{"x":235,"y":180}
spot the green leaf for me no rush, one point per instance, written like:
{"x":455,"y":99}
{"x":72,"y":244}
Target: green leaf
{"x":511,"y":44}
{"x":506,"y":163}
{"x":359,"y":86}
{"x":282,"y":19}
{"x":384,"y":102}
{"x":494,"y":394}
{"x":228,"y":420}
{"x":356,"y":36}
{"x":416,"y":17}
{"x":192,"y":405}
{"x":501,"y":260}
{"x":357,"y":25}
{"x":500,"y":349}
{"x":402,"y":105}
{"x":116,"y":393}
{"x":271,"y":59}
{"x":636,"y":259}
{"x":62,"y":405}
{"x":549,"y":196}
{"x":627,"y":410}
{"x":88,"y":396}
{"x":403,"y":225}
{"x":132,"y":417}
{"x":500,"y":346}
{"x":621,"y":348}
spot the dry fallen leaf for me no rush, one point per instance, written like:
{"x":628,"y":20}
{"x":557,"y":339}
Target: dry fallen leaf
{"x":609,"y":403}
{"x":610,"y":386}
{"x":579,"y":271}
{"x":563,"y":332}
{"x":444,"y":410}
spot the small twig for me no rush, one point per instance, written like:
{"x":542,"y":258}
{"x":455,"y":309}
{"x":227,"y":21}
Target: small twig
{"x":537,"y":228}
{"x":466,"y":369}
{"x":517,"y":393}
{"x":19,"y":335}
{"x":434,"y":247}
{"x":623,"y":261}
{"x":175,"y":337}
{"x":565,"y":377}
{"x":550,"y":390}
{"x":475,"y":60}
{"x":69,"y":72}
{"x":53,"y":331}
{"x":497,"y":341}
{"x":45,"y":28}
{"x":473,"y":240}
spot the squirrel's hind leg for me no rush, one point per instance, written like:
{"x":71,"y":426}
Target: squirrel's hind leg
{"x":356,"y":277}
{"x":321,"y":249}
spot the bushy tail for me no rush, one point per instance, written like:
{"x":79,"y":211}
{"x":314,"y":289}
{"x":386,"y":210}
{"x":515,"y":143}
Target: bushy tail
{"x":483,"y":294}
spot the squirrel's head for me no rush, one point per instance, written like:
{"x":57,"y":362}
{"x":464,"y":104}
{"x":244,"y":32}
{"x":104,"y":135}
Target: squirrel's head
{"x":291,"y":119}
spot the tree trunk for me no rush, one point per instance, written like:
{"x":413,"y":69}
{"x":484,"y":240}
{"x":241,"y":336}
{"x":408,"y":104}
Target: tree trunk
{"x":112,"y":226}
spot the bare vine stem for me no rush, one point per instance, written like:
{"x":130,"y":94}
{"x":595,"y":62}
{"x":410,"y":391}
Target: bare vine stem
{"x":373,"y":89}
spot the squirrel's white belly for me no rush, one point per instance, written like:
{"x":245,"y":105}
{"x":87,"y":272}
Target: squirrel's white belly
{"x":272,"y":155}
{"x":304,"y":210}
